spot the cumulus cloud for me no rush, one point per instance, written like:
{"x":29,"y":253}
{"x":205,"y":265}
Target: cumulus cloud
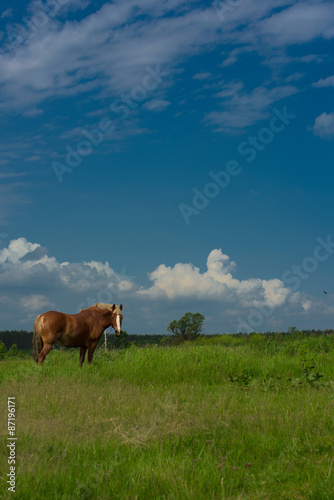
{"x":324,"y":126}
{"x":24,"y":264}
{"x":16,"y":250}
{"x":36,"y":302}
{"x":34,"y":281}
{"x":216,"y":283}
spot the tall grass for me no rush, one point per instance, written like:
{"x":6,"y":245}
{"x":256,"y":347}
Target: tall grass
{"x":201,"y":420}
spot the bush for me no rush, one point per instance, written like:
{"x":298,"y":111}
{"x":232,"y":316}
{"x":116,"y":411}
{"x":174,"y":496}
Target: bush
{"x":13,"y":351}
{"x":2,"y":350}
{"x":256,"y":338}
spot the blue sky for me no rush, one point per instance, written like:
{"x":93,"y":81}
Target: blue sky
{"x":173,"y":156}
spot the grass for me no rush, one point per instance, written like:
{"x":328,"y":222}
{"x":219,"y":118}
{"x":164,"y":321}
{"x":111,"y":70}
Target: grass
{"x":202,"y":420}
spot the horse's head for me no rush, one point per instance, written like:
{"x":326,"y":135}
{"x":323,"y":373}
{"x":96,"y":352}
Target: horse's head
{"x":116,"y":319}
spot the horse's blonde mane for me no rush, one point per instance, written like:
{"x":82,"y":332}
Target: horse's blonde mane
{"x":100,"y":305}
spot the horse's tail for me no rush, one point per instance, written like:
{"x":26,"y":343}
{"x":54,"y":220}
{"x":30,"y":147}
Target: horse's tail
{"x":37,"y":342}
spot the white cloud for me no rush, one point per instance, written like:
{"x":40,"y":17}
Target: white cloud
{"x":106,"y":53}
{"x":242,"y":109}
{"x":294,"y":77}
{"x":299,"y":23}
{"x":184,"y":281}
{"x":324,"y":126}
{"x":157,"y":105}
{"x":7,"y":13}
{"x":229,"y":304}
{"x":31,"y":112}
{"x":24,"y":264}
{"x":324,"y":82}
{"x":36,"y":302}
{"x":111,"y":47}
{"x":202,"y":76}
{"x":229,"y":61}
{"x":16,"y":250}
{"x":31,"y":282}
{"x":34,"y":282}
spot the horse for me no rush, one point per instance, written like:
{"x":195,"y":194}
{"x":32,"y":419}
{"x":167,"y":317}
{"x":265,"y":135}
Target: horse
{"x":82,"y":330}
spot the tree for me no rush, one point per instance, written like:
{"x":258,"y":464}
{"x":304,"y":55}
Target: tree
{"x":188,"y":327}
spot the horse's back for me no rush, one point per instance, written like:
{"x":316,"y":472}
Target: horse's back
{"x":69,"y":330}
{"x":51,"y":323}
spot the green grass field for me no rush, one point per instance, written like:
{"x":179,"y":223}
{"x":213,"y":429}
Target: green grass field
{"x":216,"y":419}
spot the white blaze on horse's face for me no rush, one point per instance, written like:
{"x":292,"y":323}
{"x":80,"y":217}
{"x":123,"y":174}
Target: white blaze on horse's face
{"x":118,"y":323}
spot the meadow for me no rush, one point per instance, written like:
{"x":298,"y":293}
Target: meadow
{"x":218,"y":418}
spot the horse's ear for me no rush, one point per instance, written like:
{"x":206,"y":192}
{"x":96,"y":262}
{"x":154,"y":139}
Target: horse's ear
{"x":121,"y":307}
{"x":113,"y":307}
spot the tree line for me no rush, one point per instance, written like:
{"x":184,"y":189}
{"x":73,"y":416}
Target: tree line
{"x":187,"y":328}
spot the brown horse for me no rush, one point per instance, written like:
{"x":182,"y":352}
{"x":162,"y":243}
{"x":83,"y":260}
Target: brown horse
{"x":82,"y":330}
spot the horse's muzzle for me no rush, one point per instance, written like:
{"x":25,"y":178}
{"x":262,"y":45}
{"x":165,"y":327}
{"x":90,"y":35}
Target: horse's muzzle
{"x":118,"y":334}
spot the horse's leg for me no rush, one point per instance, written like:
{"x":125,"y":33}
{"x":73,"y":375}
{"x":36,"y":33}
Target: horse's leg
{"x":82,"y":355}
{"x":42,"y":355}
{"x":91,"y":349}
